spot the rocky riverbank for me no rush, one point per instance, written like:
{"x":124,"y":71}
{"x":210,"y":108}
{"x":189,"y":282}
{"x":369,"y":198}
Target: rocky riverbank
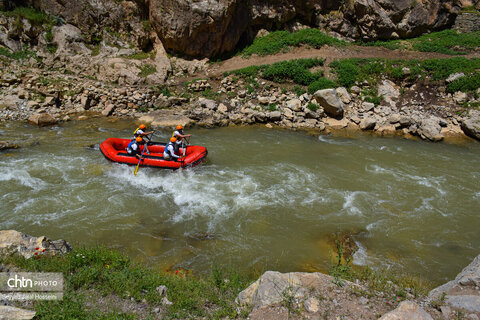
{"x":424,"y":110}
{"x":274,"y":295}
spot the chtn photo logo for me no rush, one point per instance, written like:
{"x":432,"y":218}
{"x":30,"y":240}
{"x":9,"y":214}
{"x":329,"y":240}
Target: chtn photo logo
{"x":17,"y":282}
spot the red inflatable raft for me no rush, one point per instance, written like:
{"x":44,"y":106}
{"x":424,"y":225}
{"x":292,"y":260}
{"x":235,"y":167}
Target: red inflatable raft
{"x":115,"y":149}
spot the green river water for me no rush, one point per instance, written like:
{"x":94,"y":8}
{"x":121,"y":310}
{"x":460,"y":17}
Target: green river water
{"x":264,"y":199}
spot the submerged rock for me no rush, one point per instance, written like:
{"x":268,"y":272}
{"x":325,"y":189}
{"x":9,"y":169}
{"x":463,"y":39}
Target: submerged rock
{"x":5,"y":145}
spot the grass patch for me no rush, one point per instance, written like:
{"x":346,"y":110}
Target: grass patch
{"x":465,"y":84}
{"x":350,"y":71}
{"x":141,"y":55}
{"x":282,"y":40}
{"x":34,"y":16}
{"x":17,"y":55}
{"x":447,"y":42}
{"x":147,"y":70}
{"x":321,"y":83}
{"x":110,"y":272}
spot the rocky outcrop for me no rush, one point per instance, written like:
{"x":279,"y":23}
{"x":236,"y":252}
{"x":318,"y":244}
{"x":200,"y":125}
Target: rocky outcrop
{"x":461,"y":294}
{"x":209,"y":28}
{"x":14,"y":242}
{"x":407,"y":310}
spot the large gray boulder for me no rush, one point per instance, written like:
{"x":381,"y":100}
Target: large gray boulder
{"x":430,"y":129}
{"x":463,"y":293}
{"x":331,"y":103}
{"x":14,"y":242}
{"x":471,"y":125}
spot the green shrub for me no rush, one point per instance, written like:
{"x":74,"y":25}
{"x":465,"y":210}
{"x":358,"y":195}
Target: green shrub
{"x":447,"y":42}
{"x":465,"y":84}
{"x":299,"y":90}
{"x":281,"y":40}
{"x":347,"y":72}
{"x":295,"y":70}
{"x":320,"y":84}
{"x":313,"y":106}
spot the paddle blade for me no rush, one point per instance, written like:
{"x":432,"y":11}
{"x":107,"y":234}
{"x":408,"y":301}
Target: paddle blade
{"x":136,"y":169}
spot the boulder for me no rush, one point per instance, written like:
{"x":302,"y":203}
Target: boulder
{"x":407,"y":310}
{"x":166,"y":118}
{"x":461,"y":293}
{"x":430,"y":129}
{"x":42,"y":119}
{"x":68,"y":38}
{"x":14,"y":242}
{"x":389,"y":91}
{"x":330,"y":102}
{"x":471,"y":125}
{"x":368,"y":123}
{"x":108,"y":109}
{"x":274,"y":116}
{"x":294,"y":105}
{"x":344,"y":95}
{"x":9,"y":313}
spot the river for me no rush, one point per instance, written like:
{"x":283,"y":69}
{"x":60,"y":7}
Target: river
{"x":264,"y":199}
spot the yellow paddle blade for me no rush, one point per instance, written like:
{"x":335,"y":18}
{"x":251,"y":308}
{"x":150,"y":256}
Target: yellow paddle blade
{"x":136,"y":169}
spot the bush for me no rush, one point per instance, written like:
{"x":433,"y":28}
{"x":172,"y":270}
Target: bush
{"x":465,"y":84}
{"x":281,"y":40}
{"x":347,"y":72}
{"x":295,"y":70}
{"x":313,"y":106}
{"x":320,"y":84}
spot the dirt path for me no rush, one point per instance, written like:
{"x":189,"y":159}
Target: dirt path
{"x":329,"y":54}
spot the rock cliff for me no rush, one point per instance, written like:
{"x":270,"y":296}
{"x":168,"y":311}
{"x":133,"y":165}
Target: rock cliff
{"x":207,"y":28}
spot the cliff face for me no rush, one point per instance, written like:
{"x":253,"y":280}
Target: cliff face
{"x":206,"y":28}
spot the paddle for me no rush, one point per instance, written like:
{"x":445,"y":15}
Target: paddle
{"x":149,"y":141}
{"x":138,"y":165}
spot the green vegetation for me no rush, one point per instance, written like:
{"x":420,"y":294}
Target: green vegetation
{"x":465,"y":84}
{"x":354,"y":70}
{"x":321,"y":83}
{"x":108,"y":272}
{"x":17,"y":55}
{"x":147,"y":70}
{"x":281,"y":40}
{"x":142,"y":55}
{"x":294,"y":70}
{"x":313,"y":106}
{"x":447,"y":42}
{"x":34,"y":16}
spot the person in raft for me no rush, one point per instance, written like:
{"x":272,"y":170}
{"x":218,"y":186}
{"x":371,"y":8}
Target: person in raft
{"x":140,"y":131}
{"x":169,"y":151}
{"x":133,"y":148}
{"x":180,"y":135}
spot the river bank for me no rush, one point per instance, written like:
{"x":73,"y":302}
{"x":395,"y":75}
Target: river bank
{"x":416,"y":105}
{"x":104,"y":284}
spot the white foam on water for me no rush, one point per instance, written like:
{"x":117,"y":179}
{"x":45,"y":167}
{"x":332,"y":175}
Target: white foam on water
{"x":21,"y":176}
{"x":360,"y":257}
{"x":349,"y":206}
